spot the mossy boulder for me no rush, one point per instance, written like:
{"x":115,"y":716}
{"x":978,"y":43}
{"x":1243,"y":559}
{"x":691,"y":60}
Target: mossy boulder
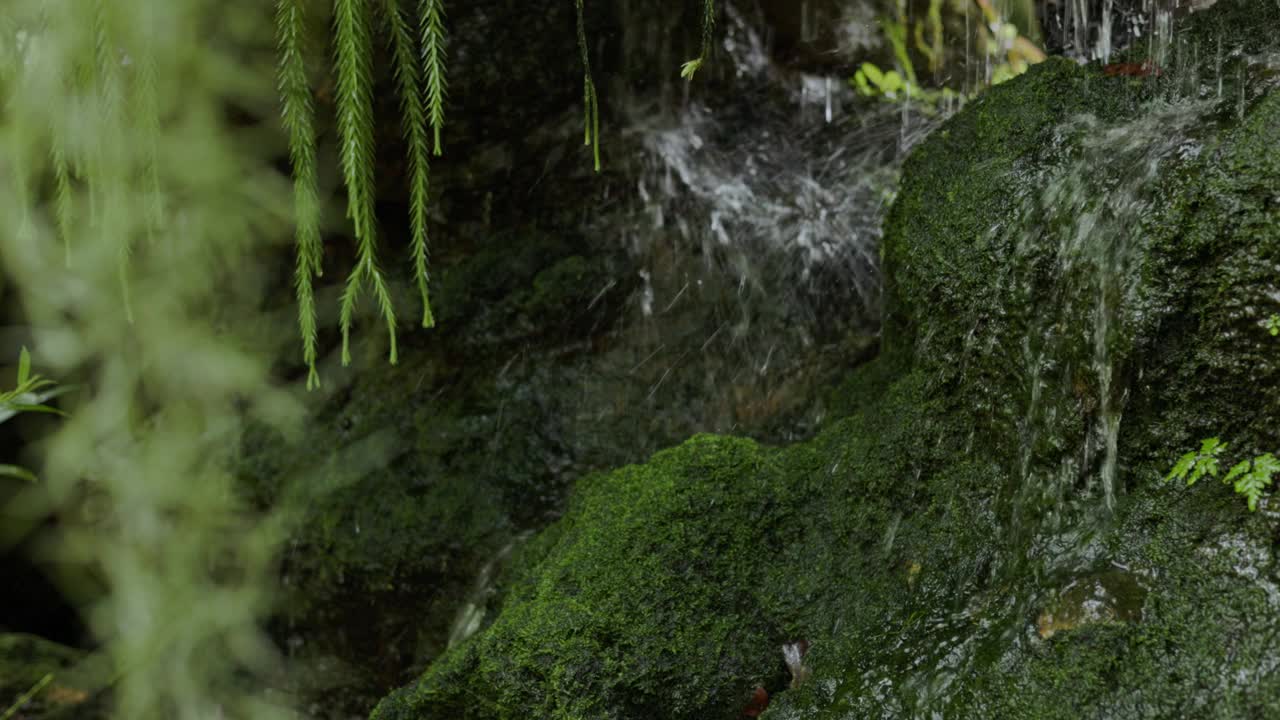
{"x":1079,"y":271}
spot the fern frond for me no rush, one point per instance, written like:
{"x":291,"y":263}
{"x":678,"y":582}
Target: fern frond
{"x":409,"y":80}
{"x":355,"y":110}
{"x":1197,"y":464}
{"x":347,"y":307}
{"x":355,"y":129}
{"x":1251,"y":477}
{"x":366,"y":266}
{"x":431,"y":13}
{"x":299,"y":116}
{"x":590,"y":101}
{"x":383,"y":296}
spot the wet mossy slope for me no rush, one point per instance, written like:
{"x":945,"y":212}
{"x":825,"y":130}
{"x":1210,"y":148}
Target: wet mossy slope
{"x":986,"y":534}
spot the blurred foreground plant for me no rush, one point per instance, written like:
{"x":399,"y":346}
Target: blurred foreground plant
{"x":125,"y":162}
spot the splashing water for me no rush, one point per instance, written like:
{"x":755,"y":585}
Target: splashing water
{"x":1095,"y":219}
{"x":1097,"y":29}
{"x":1072,"y":360}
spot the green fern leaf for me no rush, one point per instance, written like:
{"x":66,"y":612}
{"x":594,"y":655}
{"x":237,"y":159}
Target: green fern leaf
{"x":1195,"y":465}
{"x":1251,"y":477}
{"x":17,"y":472}
{"x":64,"y":209}
{"x":1251,"y":485}
{"x":1267,"y":464}
{"x":24,"y":366}
{"x":1182,"y":467}
{"x":108,"y":176}
{"x":299,"y":116}
{"x":355,"y":129}
{"x":409,"y":81}
{"x":431,"y":14}
{"x":355,"y":111}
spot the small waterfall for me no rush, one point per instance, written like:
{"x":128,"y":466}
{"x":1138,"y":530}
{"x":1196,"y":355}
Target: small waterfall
{"x":1074,"y":348}
{"x":1097,"y":29}
{"x":1073,"y":362}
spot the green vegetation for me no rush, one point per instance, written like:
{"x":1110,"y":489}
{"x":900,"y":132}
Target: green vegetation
{"x":29,"y":395}
{"x":1003,"y":49}
{"x":942,"y":545}
{"x":126,"y":164}
{"x":27,"y":696}
{"x":1197,"y":464}
{"x":688,"y":69}
{"x":1249,"y":477}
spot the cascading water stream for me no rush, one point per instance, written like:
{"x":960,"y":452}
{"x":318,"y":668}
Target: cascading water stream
{"x":761,"y":198}
{"x":1073,"y":365}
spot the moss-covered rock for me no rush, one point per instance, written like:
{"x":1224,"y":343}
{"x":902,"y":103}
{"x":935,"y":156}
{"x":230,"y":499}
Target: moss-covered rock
{"x":1080,"y":267}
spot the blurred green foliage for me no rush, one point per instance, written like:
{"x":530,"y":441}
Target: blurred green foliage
{"x":136,"y":216}
{"x":1003,"y":51}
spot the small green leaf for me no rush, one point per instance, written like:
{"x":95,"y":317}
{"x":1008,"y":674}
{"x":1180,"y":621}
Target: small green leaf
{"x":892,"y":83}
{"x":20,"y":473}
{"x":24,"y":366}
{"x":1212,"y":446}
{"x":25,"y":407}
{"x":1195,"y":465}
{"x":873,"y":74}
{"x":689,"y":68}
{"x":1182,"y":467}
{"x":1236,"y":471}
{"x":860,"y":81}
{"x":1267,"y":464}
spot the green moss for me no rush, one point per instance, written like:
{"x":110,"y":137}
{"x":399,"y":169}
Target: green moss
{"x":644,"y":600}
{"x":672,"y":585}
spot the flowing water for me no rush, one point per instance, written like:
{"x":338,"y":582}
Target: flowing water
{"x":1096,"y":29}
{"x":1072,"y":359}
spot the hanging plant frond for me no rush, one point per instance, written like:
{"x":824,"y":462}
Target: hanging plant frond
{"x":590,"y":101}
{"x":433,"y":57}
{"x":688,"y":69}
{"x":409,"y":82}
{"x":298,"y":112}
{"x":355,"y":131}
